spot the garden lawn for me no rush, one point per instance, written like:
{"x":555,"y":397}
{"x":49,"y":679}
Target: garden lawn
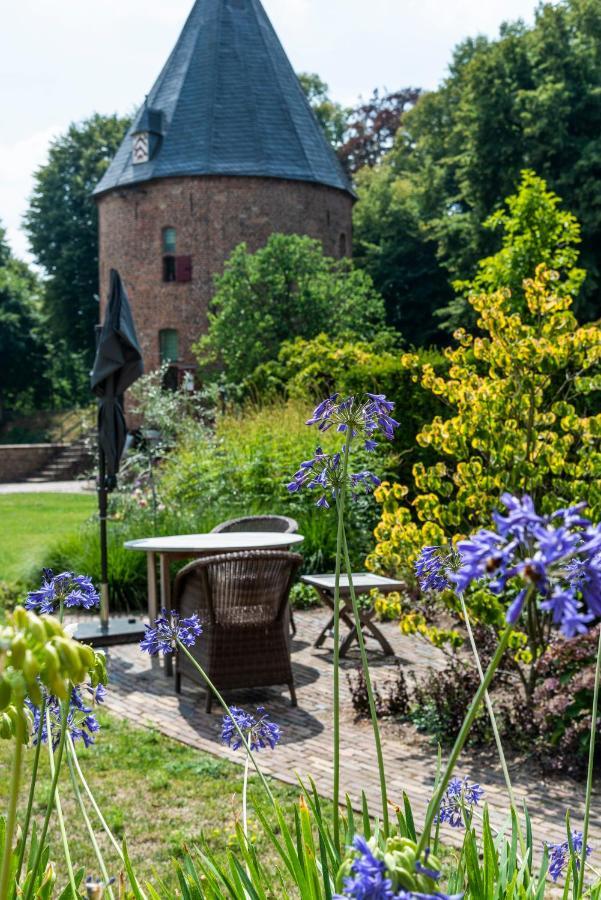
{"x":152,"y":790}
{"x":29,"y":523}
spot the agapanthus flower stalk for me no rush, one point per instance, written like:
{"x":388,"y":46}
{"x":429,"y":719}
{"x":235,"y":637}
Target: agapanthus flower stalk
{"x":362,"y":419}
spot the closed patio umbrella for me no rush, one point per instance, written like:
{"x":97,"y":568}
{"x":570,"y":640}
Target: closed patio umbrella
{"x":117,"y":365}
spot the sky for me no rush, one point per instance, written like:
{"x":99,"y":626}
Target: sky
{"x":62,"y":60}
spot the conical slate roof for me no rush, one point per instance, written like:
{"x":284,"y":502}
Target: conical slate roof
{"x":230,"y":104}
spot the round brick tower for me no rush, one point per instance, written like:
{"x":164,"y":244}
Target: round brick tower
{"x":225,"y":149}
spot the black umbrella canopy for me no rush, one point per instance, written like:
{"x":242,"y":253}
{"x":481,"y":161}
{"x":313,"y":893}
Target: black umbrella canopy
{"x":117,"y":365}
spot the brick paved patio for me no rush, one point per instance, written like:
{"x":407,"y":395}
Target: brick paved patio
{"x":141,"y":692}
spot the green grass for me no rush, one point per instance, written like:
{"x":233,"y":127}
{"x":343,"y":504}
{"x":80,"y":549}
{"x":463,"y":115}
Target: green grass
{"x":30,"y":523}
{"x":156,"y":792}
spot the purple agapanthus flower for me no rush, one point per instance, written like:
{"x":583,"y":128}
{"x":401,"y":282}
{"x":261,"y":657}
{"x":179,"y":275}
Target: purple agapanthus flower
{"x":363,"y":416}
{"x":259,"y":730}
{"x":82,"y":724}
{"x":168,"y":629}
{"x":72,"y":590}
{"x":559,"y":854}
{"x":433,"y":566}
{"x":459,"y":799}
{"x":324,"y":474}
{"x":558,"y":557}
{"x":369,"y":879}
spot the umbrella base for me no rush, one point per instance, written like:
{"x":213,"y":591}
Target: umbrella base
{"x":120,"y":630}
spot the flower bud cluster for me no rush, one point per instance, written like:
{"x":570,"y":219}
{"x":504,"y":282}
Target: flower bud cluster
{"x":37,"y":654}
{"x":388,"y":869}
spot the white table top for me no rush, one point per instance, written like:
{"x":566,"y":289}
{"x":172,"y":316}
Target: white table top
{"x":362,"y":581}
{"x":219,"y":542}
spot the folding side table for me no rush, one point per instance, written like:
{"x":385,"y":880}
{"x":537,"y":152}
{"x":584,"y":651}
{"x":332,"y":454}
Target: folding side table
{"x":363,"y":582}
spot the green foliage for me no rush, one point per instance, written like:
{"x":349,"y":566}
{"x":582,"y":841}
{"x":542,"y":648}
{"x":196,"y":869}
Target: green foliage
{"x":21,"y":386}
{"x":534,"y":231}
{"x":315,"y":368}
{"x":522,"y":390}
{"x":287,"y":287}
{"x":63,"y":231}
{"x":332,"y":116}
{"x":527,"y":100}
{"x":392,"y":243}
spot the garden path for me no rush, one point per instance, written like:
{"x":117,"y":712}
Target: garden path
{"x":80,"y":486}
{"x":141,"y":692}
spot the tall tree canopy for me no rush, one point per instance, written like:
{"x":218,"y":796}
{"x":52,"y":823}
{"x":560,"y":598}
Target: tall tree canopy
{"x":360,"y":134}
{"x":529,"y":100}
{"x":332,"y":116}
{"x":288,"y":288}
{"x":63,"y":230}
{"x":22,"y":348}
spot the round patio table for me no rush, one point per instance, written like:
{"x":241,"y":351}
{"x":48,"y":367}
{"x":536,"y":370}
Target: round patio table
{"x":195,"y":546}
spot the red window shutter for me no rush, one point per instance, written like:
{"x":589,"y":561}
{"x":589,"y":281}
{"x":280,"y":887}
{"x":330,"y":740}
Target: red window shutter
{"x":183,"y":268}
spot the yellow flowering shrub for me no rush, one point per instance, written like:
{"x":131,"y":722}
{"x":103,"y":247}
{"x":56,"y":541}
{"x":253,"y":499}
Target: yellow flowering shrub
{"x":523,"y":397}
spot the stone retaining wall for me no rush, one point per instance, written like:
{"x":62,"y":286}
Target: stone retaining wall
{"x":19,"y":461}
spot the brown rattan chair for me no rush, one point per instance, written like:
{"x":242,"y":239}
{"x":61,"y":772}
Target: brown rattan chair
{"x":282,"y":524}
{"x":242,"y":601}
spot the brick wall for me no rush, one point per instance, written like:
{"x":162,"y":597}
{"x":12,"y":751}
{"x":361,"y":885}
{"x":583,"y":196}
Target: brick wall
{"x":19,"y":461}
{"x":211,"y":215}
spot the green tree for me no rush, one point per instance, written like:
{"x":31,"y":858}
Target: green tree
{"x":23,"y":382}
{"x":534,"y":230}
{"x":529,"y":100}
{"x":286,"y":289}
{"x":392,"y":244}
{"x":63,"y":230}
{"x":332,"y":116}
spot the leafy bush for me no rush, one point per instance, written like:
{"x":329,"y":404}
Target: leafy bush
{"x":315,"y":368}
{"x":286,"y":287}
{"x":522,"y":390}
{"x":392,"y":701}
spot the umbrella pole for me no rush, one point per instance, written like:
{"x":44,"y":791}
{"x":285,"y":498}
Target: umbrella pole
{"x":102,"y":514}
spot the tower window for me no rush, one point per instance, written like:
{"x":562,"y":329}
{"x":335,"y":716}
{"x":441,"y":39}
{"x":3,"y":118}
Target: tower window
{"x":342,"y":244}
{"x":168,"y":345}
{"x":169,"y":236}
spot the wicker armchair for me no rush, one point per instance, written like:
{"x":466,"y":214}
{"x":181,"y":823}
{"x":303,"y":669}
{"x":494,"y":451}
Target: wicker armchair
{"x":282,"y":524}
{"x":242,"y":600}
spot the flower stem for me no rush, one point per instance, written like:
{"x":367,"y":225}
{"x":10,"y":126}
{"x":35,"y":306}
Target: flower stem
{"x":244,"y":811}
{"x":340,"y":504}
{"x":86,"y":818}
{"x":32,"y":785}
{"x":591,"y":763}
{"x":58,"y":758}
{"x":370,"y":694}
{"x":495,"y":729}
{"x":59,"y":808}
{"x":86,"y":787}
{"x":11,"y":816}
{"x":434,"y":805}
{"x":226,"y":708}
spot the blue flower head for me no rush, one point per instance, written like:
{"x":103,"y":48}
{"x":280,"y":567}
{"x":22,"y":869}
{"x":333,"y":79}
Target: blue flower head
{"x":559,"y":854}
{"x":363,"y":416}
{"x":168,"y":629}
{"x":459,"y":799}
{"x":259,"y":730}
{"x":82,"y":724}
{"x":557,"y":558}
{"x":72,"y":590}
